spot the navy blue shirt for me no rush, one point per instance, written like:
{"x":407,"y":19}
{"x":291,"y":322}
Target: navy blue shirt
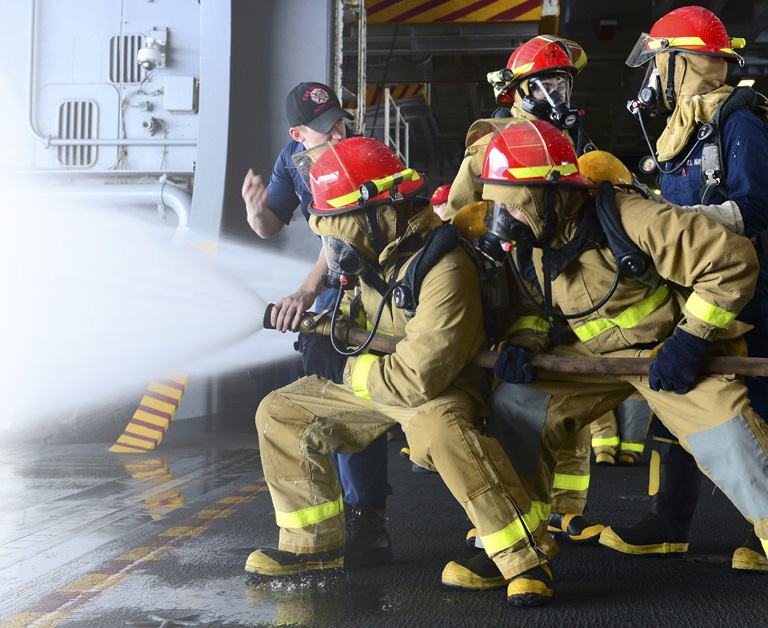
{"x":285,"y":191}
{"x":286,"y":188}
{"x":745,"y":165}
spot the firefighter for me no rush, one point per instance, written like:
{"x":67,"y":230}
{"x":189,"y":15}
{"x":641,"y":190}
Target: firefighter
{"x":373,"y":225}
{"x":316,"y":117}
{"x":537,"y":83}
{"x":633,"y":304}
{"x":711,"y":157}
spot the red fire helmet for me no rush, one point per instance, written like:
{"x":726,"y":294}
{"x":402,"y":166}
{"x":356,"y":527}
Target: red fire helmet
{"x":531,"y":152}
{"x":339,"y":173}
{"x":440,"y":195}
{"x":688,"y":29}
{"x":543,"y":54}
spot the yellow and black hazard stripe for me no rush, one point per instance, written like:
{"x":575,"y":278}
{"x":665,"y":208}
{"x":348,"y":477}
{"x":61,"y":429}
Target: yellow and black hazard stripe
{"x":147,"y":427}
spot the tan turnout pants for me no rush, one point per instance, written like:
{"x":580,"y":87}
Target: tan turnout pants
{"x":570,"y":480}
{"x":714,"y":422}
{"x":301,"y":424}
{"x":622,"y":431}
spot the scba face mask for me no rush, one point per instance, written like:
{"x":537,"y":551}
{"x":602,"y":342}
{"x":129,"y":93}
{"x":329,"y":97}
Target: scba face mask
{"x":649,"y":96}
{"x":549,"y":99}
{"x":505,"y":230}
{"x":345,"y":263}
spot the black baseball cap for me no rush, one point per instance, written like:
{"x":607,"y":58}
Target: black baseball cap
{"x":314,"y":105}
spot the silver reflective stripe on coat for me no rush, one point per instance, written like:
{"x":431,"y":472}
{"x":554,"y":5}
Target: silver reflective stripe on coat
{"x":734,"y":459}
{"x":517,"y":421}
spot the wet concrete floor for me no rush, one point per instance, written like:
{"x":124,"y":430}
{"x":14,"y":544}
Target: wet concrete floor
{"x":89,"y":538}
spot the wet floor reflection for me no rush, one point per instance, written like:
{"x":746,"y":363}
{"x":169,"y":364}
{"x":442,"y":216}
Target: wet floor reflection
{"x":60,"y":502}
{"x":316,"y":601}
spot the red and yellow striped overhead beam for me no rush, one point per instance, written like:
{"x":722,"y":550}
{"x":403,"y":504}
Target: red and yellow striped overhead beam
{"x":375,"y":94}
{"x":445,"y":11}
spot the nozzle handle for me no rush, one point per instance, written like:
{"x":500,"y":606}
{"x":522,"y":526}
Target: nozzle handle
{"x":267,"y":322}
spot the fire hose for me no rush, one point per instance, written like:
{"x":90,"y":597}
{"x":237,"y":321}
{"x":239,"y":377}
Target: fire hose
{"x":346,"y":332}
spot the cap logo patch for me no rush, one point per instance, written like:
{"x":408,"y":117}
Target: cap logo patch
{"x":319,"y":95}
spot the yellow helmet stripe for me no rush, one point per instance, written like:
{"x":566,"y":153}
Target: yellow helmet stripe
{"x":409,"y":174}
{"x":673,"y":42}
{"x":522,"y":69}
{"x":542,"y":171}
{"x":347,"y":199}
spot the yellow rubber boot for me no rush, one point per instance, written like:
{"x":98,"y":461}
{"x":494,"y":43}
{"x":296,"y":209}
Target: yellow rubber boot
{"x":277,"y":563}
{"x":532,"y":588}
{"x":751,"y":555}
{"x":478,"y":572}
{"x":574,"y":527}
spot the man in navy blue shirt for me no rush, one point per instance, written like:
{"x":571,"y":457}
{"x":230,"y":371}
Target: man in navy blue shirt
{"x":315,"y":117}
{"x":687,"y":51}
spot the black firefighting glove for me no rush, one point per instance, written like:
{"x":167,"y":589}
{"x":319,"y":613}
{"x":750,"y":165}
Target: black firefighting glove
{"x":320,"y":358}
{"x":677,"y":362}
{"x":512,"y":365}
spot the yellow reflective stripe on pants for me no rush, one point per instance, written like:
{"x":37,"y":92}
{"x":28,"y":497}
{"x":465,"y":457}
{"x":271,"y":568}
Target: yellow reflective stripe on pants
{"x":605,"y":442}
{"x":513,"y":533}
{"x":571,"y":482}
{"x":542,"y":510}
{"x":359,"y":376}
{"x":639,"y":447}
{"x":628,"y":318}
{"x":709,"y":313}
{"x":309,"y":516}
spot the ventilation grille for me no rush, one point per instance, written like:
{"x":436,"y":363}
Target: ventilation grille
{"x":77,"y":121}
{"x":123,"y":52}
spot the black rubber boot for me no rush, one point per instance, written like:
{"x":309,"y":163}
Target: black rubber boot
{"x":368,"y":541}
{"x":664,"y":530}
{"x":534,"y":587}
{"x":573,"y":527}
{"x":478,"y":572}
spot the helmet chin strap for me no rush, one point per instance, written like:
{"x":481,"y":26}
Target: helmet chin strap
{"x":670,"y":91}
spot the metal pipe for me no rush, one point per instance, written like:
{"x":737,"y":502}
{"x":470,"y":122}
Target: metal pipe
{"x":362,"y":45}
{"x":80,"y":173}
{"x":386,"y":116}
{"x":345,"y":332}
{"x":162,"y":193}
{"x":52,"y":141}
